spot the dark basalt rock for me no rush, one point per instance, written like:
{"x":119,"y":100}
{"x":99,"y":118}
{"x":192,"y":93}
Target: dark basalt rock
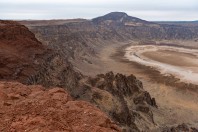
{"x":143,"y":109}
{"x":145,"y":97}
{"x":117,"y":84}
{"x":126,"y":95}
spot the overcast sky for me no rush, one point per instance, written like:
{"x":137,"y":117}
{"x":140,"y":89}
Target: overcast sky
{"x":154,"y":10}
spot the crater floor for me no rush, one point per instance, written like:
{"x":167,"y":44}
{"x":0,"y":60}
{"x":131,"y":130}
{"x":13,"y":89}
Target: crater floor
{"x":179,"y":62}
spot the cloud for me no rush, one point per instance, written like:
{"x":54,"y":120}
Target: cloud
{"x":63,"y":9}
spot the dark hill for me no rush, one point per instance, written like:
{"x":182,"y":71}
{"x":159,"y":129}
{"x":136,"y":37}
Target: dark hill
{"x":119,"y":18}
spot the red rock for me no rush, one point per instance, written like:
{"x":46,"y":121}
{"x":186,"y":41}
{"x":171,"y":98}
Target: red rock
{"x":3,"y":96}
{"x":48,"y":110}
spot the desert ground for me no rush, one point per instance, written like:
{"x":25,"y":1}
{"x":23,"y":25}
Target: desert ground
{"x":177,"y":61}
{"x":175,"y":91}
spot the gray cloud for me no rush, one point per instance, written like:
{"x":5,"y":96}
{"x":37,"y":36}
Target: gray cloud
{"x":63,"y":9}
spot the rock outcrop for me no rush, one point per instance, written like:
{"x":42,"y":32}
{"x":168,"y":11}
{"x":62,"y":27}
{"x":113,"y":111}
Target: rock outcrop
{"x":34,"y":108}
{"x":121,"y":97}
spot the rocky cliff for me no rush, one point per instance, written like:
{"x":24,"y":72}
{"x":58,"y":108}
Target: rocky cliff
{"x":20,"y":51}
{"x":23,"y":58}
{"x":121,"y":97}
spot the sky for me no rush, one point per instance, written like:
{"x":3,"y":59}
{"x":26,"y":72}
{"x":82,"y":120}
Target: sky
{"x":152,"y":10}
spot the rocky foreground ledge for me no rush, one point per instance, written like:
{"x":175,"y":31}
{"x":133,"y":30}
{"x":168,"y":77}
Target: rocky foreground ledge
{"x":34,"y":108}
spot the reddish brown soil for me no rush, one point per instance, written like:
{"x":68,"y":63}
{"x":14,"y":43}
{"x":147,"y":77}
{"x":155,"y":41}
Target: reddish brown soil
{"x":34,"y":108}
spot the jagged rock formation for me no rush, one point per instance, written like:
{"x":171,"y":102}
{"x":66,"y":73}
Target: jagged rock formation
{"x":121,"y":97}
{"x":55,"y":71}
{"x":34,"y":108}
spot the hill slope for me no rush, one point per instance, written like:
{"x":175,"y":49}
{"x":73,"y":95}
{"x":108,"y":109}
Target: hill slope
{"x":23,"y":58}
